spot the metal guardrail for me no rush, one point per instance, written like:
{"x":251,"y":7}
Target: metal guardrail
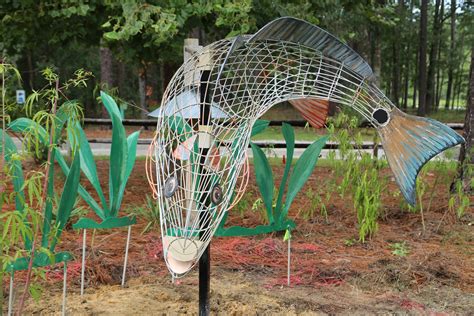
{"x":152,"y":122}
{"x":260,"y":143}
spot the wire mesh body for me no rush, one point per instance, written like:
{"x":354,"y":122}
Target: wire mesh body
{"x":198,"y":157}
{"x":211,"y":104}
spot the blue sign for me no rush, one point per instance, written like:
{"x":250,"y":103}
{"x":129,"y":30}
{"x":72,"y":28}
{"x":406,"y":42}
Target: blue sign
{"x":20,"y":96}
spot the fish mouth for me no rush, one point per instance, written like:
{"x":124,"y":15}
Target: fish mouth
{"x":187,"y":227}
{"x":181,"y":254}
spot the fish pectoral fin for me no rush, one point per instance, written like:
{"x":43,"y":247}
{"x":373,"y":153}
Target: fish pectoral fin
{"x":315,"y":111}
{"x":409,"y":142}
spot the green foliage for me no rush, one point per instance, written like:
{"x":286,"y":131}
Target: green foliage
{"x":25,"y":221}
{"x":234,"y":15}
{"x":359,"y":172}
{"x":150,"y":211}
{"x":459,"y":201}
{"x":316,"y":202}
{"x":400,"y":249}
{"x":45,"y":129}
{"x":367,"y":203}
{"x":155,"y":23}
{"x":349,"y":242}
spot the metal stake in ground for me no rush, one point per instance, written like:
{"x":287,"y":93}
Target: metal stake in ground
{"x":10,"y":294}
{"x":83,"y":264}
{"x":64,"y":289}
{"x":126,"y":255}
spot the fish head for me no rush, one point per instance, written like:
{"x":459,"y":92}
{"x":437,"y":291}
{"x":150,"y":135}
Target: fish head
{"x":197,"y":170}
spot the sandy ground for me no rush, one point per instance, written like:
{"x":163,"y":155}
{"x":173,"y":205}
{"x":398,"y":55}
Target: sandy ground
{"x":240,"y":293}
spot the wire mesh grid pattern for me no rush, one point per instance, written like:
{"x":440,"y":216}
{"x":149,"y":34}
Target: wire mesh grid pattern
{"x":197,"y":164}
{"x":204,"y":128}
{"x":205,"y":122}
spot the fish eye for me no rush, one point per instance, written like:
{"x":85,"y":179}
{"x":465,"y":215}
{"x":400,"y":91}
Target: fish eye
{"x":381,"y":116}
{"x":217,"y":194}
{"x":171,"y":184}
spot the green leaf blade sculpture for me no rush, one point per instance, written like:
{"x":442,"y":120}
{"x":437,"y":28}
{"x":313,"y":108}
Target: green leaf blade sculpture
{"x":259,"y":126}
{"x":88,"y":165}
{"x":132,"y":141}
{"x":264,"y":178}
{"x":118,"y":152}
{"x":303,"y":169}
{"x":68,"y":197}
{"x":82,"y":191}
{"x":289,"y":135}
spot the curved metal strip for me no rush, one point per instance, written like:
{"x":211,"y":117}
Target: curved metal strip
{"x":301,"y":32}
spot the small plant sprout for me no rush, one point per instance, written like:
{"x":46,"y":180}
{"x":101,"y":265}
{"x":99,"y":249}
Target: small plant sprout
{"x":400,"y":249}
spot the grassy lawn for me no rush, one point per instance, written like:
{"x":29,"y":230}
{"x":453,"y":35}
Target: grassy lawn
{"x":305,"y":133}
{"x":284,"y":111}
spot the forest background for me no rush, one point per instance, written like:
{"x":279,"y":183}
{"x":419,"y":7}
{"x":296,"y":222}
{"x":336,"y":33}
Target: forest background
{"x":419,"y":50}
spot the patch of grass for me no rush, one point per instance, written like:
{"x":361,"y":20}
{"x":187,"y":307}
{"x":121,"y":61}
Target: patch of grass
{"x":306,"y":134}
{"x":350,"y":242}
{"x":400,"y":249}
{"x":150,"y":211}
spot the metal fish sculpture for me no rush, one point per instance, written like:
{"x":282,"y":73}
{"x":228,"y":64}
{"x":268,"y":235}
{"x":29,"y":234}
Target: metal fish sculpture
{"x":213,"y":100}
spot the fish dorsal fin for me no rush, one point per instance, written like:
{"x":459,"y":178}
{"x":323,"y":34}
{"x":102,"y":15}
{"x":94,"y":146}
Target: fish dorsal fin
{"x":315,"y":111}
{"x":301,"y":32}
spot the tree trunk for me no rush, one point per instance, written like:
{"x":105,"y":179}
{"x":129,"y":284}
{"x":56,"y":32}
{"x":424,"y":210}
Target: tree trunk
{"x":452,"y":60}
{"x":142,"y":90}
{"x":121,"y":77}
{"x":439,"y":87}
{"x":437,"y":29}
{"x":439,"y":70}
{"x":375,"y":54}
{"x":459,"y":76}
{"x":422,"y":55}
{"x":162,"y":80}
{"x":406,"y":85}
{"x":408,"y":62}
{"x":466,"y":156}
{"x":31,"y":71}
{"x":395,"y":86}
{"x":106,"y":71}
{"x":415,"y":80}
{"x":396,"y":60}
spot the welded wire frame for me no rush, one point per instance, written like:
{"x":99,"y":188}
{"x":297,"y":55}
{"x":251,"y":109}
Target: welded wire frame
{"x":202,"y":153}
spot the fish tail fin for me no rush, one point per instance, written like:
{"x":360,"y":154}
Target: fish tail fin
{"x":409,"y":142}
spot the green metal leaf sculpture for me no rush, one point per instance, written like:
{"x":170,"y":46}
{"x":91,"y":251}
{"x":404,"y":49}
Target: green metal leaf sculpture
{"x":259,"y":126}
{"x":278,"y":213}
{"x":264,"y":178}
{"x":122,"y":160}
{"x":303,"y":169}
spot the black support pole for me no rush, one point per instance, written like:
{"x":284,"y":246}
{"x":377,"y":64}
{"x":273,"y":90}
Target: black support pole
{"x":204,"y":281}
{"x":204,"y":218}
